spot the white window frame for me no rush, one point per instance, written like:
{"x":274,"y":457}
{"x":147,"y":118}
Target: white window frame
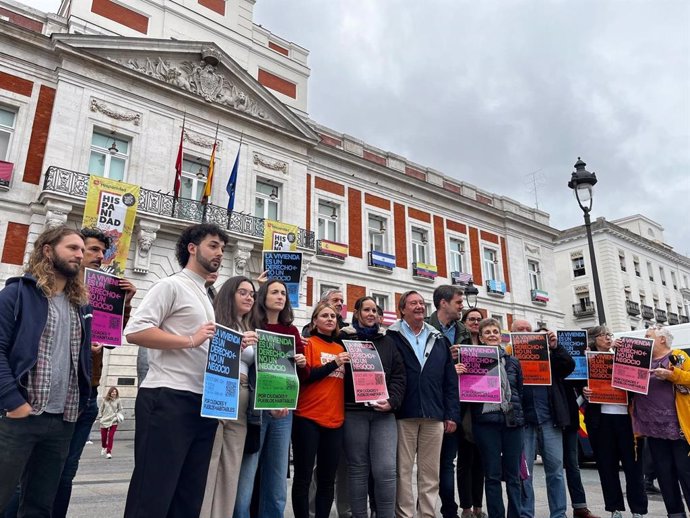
{"x":662,"y":275}
{"x":267,"y":199}
{"x":420,"y":244}
{"x":331,"y":226}
{"x":325,"y":286}
{"x":456,"y":258}
{"x":491,"y":266}
{"x":650,"y":271}
{"x":573,"y":266}
{"x":534,"y":274}
{"x":111,"y":136}
{"x":382,"y":300}
{"x":379,"y":232}
{"x":636,"y":266}
{"x":190,"y":168}
{"x":9,"y":130}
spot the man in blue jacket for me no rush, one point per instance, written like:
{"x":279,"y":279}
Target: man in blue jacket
{"x":45,"y":368}
{"x":430,"y":408}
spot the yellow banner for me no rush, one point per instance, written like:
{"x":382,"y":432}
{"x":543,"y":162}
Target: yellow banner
{"x":280,"y":236}
{"x":112,"y":207}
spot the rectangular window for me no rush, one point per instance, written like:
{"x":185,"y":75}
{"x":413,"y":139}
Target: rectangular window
{"x":534,"y":274}
{"x":499,"y":318}
{"x":491,"y":264}
{"x":662,"y":275}
{"x":621,"y":260}
{"x":578,"y":266}
{"x":419,"y":245}
{"x":267,"y":201}
{"x":674,"y":282}
{"x":584,"y":301}
{"x":377,"y":233}
{"x":194,"y":174}
{"x":643,"y":300}
{"x":8,"y":119}
{"x":457,"y":255}
{"x":327,"y":225}
{"x":650,"y":271}
{"x":381,"y":300}
{"x":636,"y":265}
{"x":109,"y":155}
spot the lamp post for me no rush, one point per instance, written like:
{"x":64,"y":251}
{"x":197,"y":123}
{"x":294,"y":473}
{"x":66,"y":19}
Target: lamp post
{"x":471,"y":293}
{"x":582,"y":182}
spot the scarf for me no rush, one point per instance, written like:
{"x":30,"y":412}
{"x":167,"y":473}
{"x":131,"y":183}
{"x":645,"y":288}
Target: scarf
{"x":506,"y":393}
{"x":366,"y":334}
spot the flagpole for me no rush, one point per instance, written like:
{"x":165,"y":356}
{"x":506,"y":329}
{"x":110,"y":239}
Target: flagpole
{"x":239,"y":148}
{"x":178,"y":167}
{"x":231,"y":187}
{"x":209,"y":179}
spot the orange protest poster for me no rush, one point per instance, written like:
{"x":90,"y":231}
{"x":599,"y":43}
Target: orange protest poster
{"x":599,"y":376}
{"x":532,"y":349}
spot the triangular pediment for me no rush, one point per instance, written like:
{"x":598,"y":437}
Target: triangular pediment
{"x":197,"y":69}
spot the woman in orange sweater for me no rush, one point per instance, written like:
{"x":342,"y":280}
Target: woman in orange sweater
{"x":318,"y":420}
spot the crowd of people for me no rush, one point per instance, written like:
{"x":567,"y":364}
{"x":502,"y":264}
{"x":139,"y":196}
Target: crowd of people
{"x":360,"y":455}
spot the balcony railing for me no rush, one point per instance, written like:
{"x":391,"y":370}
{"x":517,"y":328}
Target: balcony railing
{"x":6,"y":169}
{"x":683,"y":319}
{"x":332,"y":250}
{"x":157,"y":203}
{"x":660,"y":315}
{"x":539,"y":296}
{"x":647,"y":312}
{"x":633,"y":308}
{"x":381,"y":260}
{"x":583,"y":310}
{"x":673,"y":319}
{"x":494,"y":287}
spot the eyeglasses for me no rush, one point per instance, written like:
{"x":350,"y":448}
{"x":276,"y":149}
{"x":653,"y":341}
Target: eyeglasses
{"x":607,"y":335}
{"x":243,"y":293}
{"x":472,"y":319}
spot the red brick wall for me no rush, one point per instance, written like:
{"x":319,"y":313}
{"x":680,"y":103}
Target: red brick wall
{"x":22,"y":21}
{"x":15,"y":243}
{"x":354,"y":209}
{"x":120,"y":14}
{"x":476,"y":256}
{"x":506,"y":270}
{"x":373,"y":157}
{"x":16,"y":84}
{"x":310,"y":291}
{"x":451,"y":187}
{"x":488,"y":236}
{"x":419,"y":214}
{"x":398,"y":296}
{"x":375,"y":201}
{"x":400,"y":235}
{"x":329,"y":186}
{"x":456,"y":227}
{"x":509,"y":320}
{"x":278,"y":48}
{"x":440,"y":243}
{"x":415,"y":173}
{"x":308,"y":215}
{"x":354,"y":292}
{"x":278,"y":84}
{"x":39,"y":135}
{"x":214,"y":5}
{"x":330,"y":141}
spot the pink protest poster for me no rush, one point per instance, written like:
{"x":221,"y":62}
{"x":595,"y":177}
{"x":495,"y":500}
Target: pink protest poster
{"x":368,"y":377}
{"x":481,"y":383}
{"x":631,"y":362}
{"x":107,"y":300}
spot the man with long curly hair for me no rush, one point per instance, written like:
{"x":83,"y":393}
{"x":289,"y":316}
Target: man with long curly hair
{"x":45,"y":368}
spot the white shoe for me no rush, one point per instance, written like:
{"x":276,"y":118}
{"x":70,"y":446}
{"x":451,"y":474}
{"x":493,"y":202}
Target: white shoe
{"x":103,"y":450}
{"x":109,"y":456}
{"x":616,"y":514}
{"x":637,"y":515}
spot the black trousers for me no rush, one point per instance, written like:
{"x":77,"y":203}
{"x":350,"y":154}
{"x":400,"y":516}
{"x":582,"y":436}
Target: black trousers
{"x":172,"y":450}
{"x":470,"y":474}
{"x":672,"y":466}
{"x":613,"y":444}
{"x":309,"y":443}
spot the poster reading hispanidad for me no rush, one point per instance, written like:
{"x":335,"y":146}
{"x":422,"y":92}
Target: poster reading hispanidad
{"x":112,"y":207}
{"x":280,"y":237}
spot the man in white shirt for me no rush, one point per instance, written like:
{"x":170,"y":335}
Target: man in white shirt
{"x":173,"y":443}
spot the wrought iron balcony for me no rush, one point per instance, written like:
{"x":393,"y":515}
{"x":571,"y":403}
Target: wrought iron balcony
{"x":495,"y":287}
{"x":539,"y":296}
{"x":673,"y":319}
{"x":683,"y":319}
{"x":660,"y":315}
{"x":647,"y":312}
{"x":583,"y":310}
{"x":633,"y":308}
{"x":157,"y":203}
{"x":332,"y":249}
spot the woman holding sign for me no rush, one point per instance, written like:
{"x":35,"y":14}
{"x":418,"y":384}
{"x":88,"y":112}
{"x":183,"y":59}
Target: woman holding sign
{"x":497,"y":429}
{"x":232,"y":305}
{"x":317,"y":428}
{"x":663,"y":416}
{"x":370,"y":428}
{"x":271,"y":312}
{"x":611,"y":436}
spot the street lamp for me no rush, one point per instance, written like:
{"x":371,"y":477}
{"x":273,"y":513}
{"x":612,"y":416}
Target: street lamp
{"x":471,"y":293}
{"x":582,"y":182}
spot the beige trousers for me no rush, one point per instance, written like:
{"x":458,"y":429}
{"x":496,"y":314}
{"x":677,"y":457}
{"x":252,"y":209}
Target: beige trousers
{"x":421,"y":438}
{"x":226,"y":459}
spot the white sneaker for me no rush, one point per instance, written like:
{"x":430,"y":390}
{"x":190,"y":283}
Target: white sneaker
{"x":103,"y":450}
{"x":616,"y":514}
{"x":109,"y":456}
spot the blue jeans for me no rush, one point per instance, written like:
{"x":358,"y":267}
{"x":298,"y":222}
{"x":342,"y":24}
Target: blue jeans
{"x":572,"y":469}
{"x":501,"y":447}
{"x":82,"y":428}
{"x":272,"y":462}
{"x":550,"y":440}
{"x":371,"y":441}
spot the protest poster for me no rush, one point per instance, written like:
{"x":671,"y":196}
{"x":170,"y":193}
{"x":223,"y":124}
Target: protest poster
{"x":631,"y":362}
{"x":280,"y":236}
{"x":368,"y":377}
{"x":286,"y":267}
{"x":482,"y":381}
{"x":108,"y":302}
{"x":221,"y":396}
{"x":575,"y":342}
{"x":532,"y":349}
{"x":112,"y":207}
{"x":277,"y":385}
{"x":599,"y":375}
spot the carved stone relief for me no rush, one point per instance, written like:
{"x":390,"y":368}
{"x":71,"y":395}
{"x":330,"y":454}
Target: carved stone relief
{"x":533,"y":249}
{"x":243,"y":253}
{"x":200,"y":140}
{"x":114,"y":112}
{"x":146,"y":235}
{"x":270,"y":163}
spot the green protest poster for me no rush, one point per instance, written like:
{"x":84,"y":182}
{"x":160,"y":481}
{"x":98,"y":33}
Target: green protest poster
{"x":277,"y":385}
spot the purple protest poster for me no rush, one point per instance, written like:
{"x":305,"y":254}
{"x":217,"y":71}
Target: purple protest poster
{"x":631,"y":363}
{"x":108,"y":302}
{"x":481,"y":383}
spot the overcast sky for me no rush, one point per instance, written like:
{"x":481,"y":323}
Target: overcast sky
{"x":489,"y":92}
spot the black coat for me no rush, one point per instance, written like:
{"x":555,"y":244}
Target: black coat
{"x":516,"y":416}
